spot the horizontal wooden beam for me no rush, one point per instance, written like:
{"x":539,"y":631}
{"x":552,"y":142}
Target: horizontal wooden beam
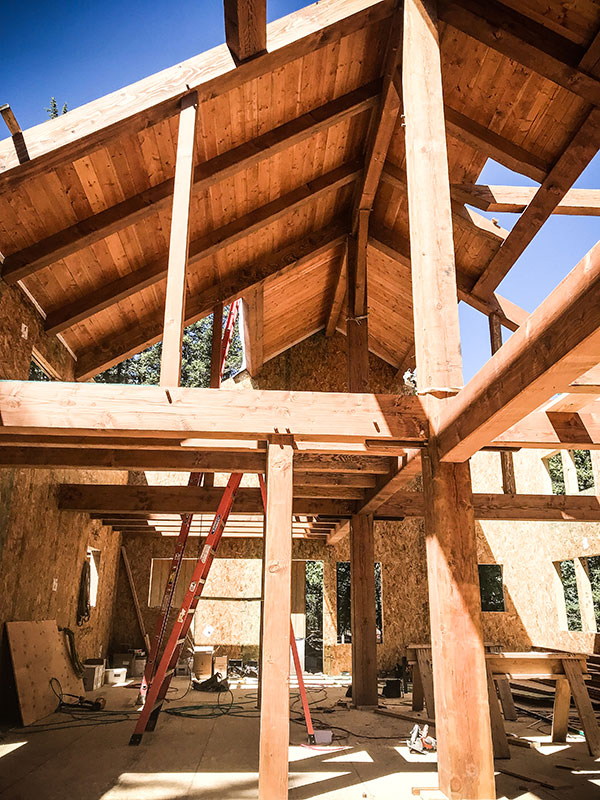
{"x":515,"y":199}
{"x":201,"y":248}
{"x":147,"y":102}
{"x":82,"y":234}
{"x":525,"y":41}
{"x":555,"y":430}
{"x":523,"y":507}
{"x":113,"y":499}
{"x":559,"y":342}
{"x":94,"y":409}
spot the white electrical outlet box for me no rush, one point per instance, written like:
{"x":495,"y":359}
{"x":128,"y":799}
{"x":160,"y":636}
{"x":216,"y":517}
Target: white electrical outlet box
{"x":24,"y":331}
{"x":54,"y":584}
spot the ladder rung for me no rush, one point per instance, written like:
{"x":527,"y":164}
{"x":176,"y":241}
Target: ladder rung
{"x":181,"y":641}
{"x":168,"y":673}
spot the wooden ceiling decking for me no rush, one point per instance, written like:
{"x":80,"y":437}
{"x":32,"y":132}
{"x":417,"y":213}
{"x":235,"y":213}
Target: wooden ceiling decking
{"x":280,"y":148}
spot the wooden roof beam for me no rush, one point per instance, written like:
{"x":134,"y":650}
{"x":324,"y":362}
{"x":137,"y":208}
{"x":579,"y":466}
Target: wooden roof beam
{"x":571,"y":163}
{"x":142,"y":335}
{"x":111,"y":499}
{"x":515,"y":507}
{"x":15,"y":131}
{"x":157,"y":97}
{"x":383,"y":123}
{"x":515,"y":199}
{"x":549,"y":429}
{"x":151,"y":411}
{"x":82,"y":234}
{"x":203,"y":247}
{"x":339,"y":295}
{"x":525,"y":41}
{"x":245,"y":28}
{"x":559,"y":342}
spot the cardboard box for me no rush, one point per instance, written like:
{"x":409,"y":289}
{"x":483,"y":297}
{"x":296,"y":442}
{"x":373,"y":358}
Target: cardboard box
{"x":93,"y":674}
{"x":220,"y":665}
{"x":123,"y":660}
{"x":203,"y":663}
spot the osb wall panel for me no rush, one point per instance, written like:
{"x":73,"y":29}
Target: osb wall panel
{"x":42,"y":550}
{"x":527,"y":552}
{"x":15,"y":351}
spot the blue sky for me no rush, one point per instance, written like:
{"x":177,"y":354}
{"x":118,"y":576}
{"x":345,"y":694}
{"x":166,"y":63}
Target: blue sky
{"x":80,"y":51}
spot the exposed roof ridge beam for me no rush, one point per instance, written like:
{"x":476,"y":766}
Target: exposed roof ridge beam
{"x":515,"y":199}
{"x":141,"y":335}
{"x":559,"y":342}
{"x":152,"y":99}
{"x":84,"y":233}
{"x":62,"y":318}
{"x":525,"y":41}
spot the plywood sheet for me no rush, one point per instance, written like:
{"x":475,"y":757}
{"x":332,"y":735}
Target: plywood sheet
{"x":39,"y":653}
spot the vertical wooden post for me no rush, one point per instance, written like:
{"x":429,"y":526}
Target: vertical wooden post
{"x":217,"y":339}
{"x":275,"y":700}
{"x":357,"y":329}
{"x":362,"y":558}
{"x":507,"y":465}
{"x":170,"y":364}
{"x":465,"y":760}
{"x":362,"y":606}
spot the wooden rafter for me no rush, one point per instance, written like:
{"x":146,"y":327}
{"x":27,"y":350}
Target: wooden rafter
{"x":245,"y":28}
{"x":576,"y":156}
{"x":339,"y":295}
{"x":142,"y":335}
{"x":82,"y":234}
{"x":515,"y":199}
{"x":559,"y":343}
{"x":203,"y":247}
{"x":155,"y":98}
{"x":525,"y":41}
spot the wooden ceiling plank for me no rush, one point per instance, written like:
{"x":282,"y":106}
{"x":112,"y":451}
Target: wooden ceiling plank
{"x":571,"y":163}
{"x":153,"y":99}
{"x":109,"y":294}
{"x":86,"y":232}
{"x":245,"y":28}
{"x":515,"y":199}
{"x":525,"y":41}
{"x":72,"y":408}
{"x":559,"y":342}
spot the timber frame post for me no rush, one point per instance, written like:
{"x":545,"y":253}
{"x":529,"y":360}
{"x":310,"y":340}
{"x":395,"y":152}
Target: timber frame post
{"x":275,"y":666}
{"x":170,"y":364}
{"x":465,"y":759}
{"x":362,"y":570}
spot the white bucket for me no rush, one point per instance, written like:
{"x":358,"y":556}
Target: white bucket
{"x":116,"y":675}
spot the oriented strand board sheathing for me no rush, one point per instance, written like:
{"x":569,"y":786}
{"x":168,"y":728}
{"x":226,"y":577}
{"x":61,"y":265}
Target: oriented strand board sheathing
{"x":39,"y":653}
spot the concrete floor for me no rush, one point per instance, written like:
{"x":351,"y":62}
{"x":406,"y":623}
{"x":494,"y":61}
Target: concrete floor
{"x":217,"y":758}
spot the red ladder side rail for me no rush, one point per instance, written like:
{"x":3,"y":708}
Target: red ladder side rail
{"x":163,"y":618}
{"x":309,"y":726}
{"x":162,"y":679}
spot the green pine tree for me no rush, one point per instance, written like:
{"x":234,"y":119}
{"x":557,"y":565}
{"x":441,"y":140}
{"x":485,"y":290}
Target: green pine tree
{"x":52,"y":109}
